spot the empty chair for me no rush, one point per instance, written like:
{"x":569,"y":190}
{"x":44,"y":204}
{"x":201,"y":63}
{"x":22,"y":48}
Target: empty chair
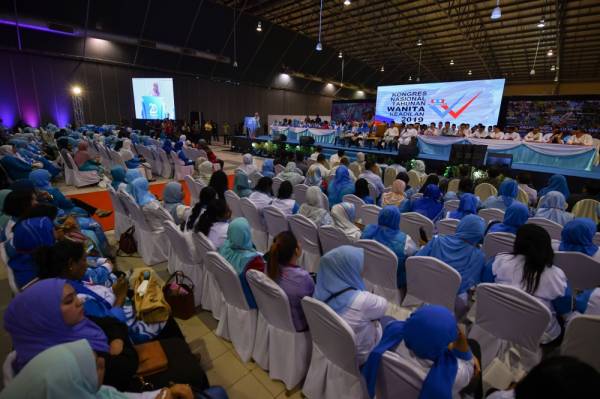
{"x":233,"y":202}
{"x":453,"y":185}
{"x":353,"y":199}
{"x":260,"y":237}
{"x":491,"y":214}
{"x":429,"y":280}
{"x":121,"y":215}
{"x":368,"y":214}
{"x":77,"y":177}
{"x":582,"y":271}
{"x":581,"y":340}
{"x":447,"y":226}
{"x":380,"y":270}
{"x":238,"y":321}
{"x":278,"y":347}
{"x":183,"y":257}
{"x":451,"y":205}
{"x":331,"y":237}
{"x":587,"y":208}
{"x":485,"y":190}
{"x":275,"y":220}
{"x":554,"y":229}
{"x":412,"y":222}
{"x":306,"y":232}
{"x":300,"y":193}
{"x":166,"y":164}
{"x":494,"y":243}
{"x":211,"y":297}
{"x":333,"y":370}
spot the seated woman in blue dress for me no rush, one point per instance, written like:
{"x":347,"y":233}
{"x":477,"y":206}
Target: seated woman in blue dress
{"x":467,"y":206}
{"x":181,"y":155}
{"x":507,"y":194}
{"x":16,"y":168}
{"x":32,"y":154}
{"x":552,"y":207}
{"x":430,"y":205}
{"x":515,"y":216}
{"x":361,"y":190}
{"x":340,"y":185}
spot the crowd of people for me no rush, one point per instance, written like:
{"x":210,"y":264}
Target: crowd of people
{"x":75,"y":306}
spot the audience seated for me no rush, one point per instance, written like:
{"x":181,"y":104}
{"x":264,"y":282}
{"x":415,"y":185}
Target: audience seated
{"x":578,"y":236}
{"x":291,"y":173}
{"x":214,"y":222}
{"x":248,"y":165}
{"x":262,"y":194}
{"x":173,"y":202}
{"x":83,"y":159}
{"x":396,"y":196}
{"x":556,"y":183}
{"x":467,"y":206}
{"x":344,"y":216}
{"x":507,"y":194}
{"x":154,"y":213}
{"x":524,"y":180}
{"x":207,"y":194}
{"x":268,"y":169}
{"x":361,"y":190}
{"x":314,"y":177}
{"x":515,"y":216}
{"x":431,"y":179}
{"x":419,"y":168}
{"x":284,"y":200}
{"x":340,"y":185}
{"x":313,"y":207}
{"x":591,"y":190}
{"x":552,"y":207}
{"x":219,"y":182}
{"x":430,"y":205}
{"x":241,"y":184}
{"x":118,"y":178}
{"x":372,"y":175}
{"x":205,"y":170}
{"x":130,"y":176}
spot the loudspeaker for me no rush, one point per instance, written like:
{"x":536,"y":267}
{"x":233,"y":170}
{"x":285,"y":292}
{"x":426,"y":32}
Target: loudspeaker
{"x":307,"y":140}
{"x":279,"y":138}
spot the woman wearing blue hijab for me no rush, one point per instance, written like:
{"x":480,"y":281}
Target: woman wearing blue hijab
{"x":429,"y":205}
{"x":387,"y":232}
{"x":181,"y":155}
{"x":167,"y":146}
{"x":467,"y":206}
{"x":515,"y":216}
{"x":154,"y":213}
{"x":507,"y":194}
{"x":552,"y":207}
{"x":578,"y":236}
{"x":130,"y":176}
{"x":460,"y":251}
{"x":173,"y":202}
{"x":268,"y":169}
{"x":340,"y":185}
{"x":423,"y":341}
{"x":241,"y":185}
{"x":239,"y":251}
{"x":118,"y":178}
{"x":341,"y":287}
{"x":556,"y":183}
{"x":140,"y":191}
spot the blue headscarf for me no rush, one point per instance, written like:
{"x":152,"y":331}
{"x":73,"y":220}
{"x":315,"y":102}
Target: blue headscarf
{"x":41,"y":179}
{"x":130,"y":176}
{"x":552,"y":207}
{"x":508,"y":191}
{"x":178,"y":146}
{"x":268,"y":169}
{"x":341,"y":185}
{"x":556,"y":183}
{"x":467,"y":206}
{"x":340,"y":271}
{"x":118,"y":176}
{"x":460,"y":250}
{"x":140,"y":191}
{"x":387,"y":232}
{"x":314,"y":178}
{"x":515,"y":216}
{"x":167,"y":146}
{"x":578,"y":236}
{"x":241,"y":186}
{"x":172,"y":198}
{"x":427,"y":333}
{"x":430,"y":204}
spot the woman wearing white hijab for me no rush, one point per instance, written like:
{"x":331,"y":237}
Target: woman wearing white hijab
{"x":343,"y":215}
{"x":291,"y":173}
{"x":248,"y":165}
{"x":134,"y":162}
{"x":205,"y":171}
{"x":313,"y":207}
{"x":419,"y":168}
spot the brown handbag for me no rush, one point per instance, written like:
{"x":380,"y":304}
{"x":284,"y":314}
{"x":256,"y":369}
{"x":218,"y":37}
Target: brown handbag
{"x":179,"y":294}
{"x":127,"y":242}
{"x":152,"y":359}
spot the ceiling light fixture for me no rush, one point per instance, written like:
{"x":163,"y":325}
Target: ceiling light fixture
{"x":470,"y":72}
{"x":496,"y":12}
{"x":541,"y":24}
{"x":340,"y":55}
{"x":259,"y":27}
{"x":550,"y":53}
{"x":347,"y":2}
{"x":451,"y":62}
{"x":319,"y":46}
{"x":76,"y":90}
{"x":382,"y":69}
{"x":419,"y":42}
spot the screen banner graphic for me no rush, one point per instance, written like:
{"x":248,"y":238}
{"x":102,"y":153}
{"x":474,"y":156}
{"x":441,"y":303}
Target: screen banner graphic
{"x":153,"y":98}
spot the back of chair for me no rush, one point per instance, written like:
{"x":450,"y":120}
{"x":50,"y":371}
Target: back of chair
{"x":331,"y":237}
{"x":380,"y":264}
{"x":279,"y":168}
{"x":491,"y":214}
{"x":447,"y":226}
{"x":432,"y":281}
{"x":271,"y":300}
{"x":522,"y":196}
{"x":453,"y":185}
{"x":553,"y":228}
{"x":355,"y":168}
{"x":413,"y":179}
{"x":583,"y":272}
{"x":581,"y":340}
{"x":251,"y":213}
{"x":397,"y":378}
{"x":276,"y":220}
{"x":254,"y":178}
{"x":300,"y":193}
{"x":325,"y":201}
{"x":331,"y":334}
{"x":389,"y":176}
{"x":276,"y":183}
{"x":368,"y":214}
{"x":233,"y":202}
{"x":117,"y":204}
{"x":511,"y":314}
{"x":451,"y":205}
{"x":485,"y":190}
{"x":597,"y":239}
{"x":494,"y":243}
{"x":191,"y":183}
{"x":306,"y":232}
{"x":353,"y":199}
{"x":412,"y":222}
{"x":587,"y":208}
{"x":181,"y":245}
{"x":228,"y":280}
{"x":202,"y":246}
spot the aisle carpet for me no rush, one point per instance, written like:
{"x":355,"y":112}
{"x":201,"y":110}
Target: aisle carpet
{"x":101,"y":200}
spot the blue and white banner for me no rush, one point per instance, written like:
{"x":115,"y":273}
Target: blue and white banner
{"x":473,"y":102}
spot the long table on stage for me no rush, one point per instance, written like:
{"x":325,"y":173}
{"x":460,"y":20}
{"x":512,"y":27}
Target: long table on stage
{"x":321,"y":136}
{"x":542,"y":154}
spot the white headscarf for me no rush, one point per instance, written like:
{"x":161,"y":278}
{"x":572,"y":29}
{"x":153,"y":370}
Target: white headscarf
{"x":205,"y":171}
{"x":343,"y":215}
{"x":313,"y":207}
{"x":247,"y":165}
{"x":125,"y":151}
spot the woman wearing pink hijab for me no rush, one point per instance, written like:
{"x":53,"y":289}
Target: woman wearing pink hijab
{"x":84,"y":160}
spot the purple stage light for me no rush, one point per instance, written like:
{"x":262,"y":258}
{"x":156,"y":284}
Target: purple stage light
{"x":36,"y":27}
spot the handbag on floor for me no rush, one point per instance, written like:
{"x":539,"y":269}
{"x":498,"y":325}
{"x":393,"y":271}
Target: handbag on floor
{"x":152,"y":359}
{"x":179,"y":294}
{"x":149,"y":301}
{"x":127,"y":242}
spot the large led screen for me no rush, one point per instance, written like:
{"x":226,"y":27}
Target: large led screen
{"x":153,"y":98}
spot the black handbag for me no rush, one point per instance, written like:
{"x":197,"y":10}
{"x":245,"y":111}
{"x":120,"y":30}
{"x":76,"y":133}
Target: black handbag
{"x":179,"y":294}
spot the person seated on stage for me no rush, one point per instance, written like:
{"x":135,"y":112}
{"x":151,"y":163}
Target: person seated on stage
{"x":335,"y":158}
{"x":579,"y":137}
{"x":552,"y":207}
{"x":465,"y":130}
{"x":318,"y":151}
{"x":512,"y":134}
{"x":481,"y":132}
{"x":432,"y":130}
{"x":391,"y":135}
{"x":557,"y":137}
{"x":447,"y":130}
{"x":373,"y":175}
{"x":419,"y":128}
{"x":408,"y":134}
{"x":440,"y":126}
{"x":497,"y":134}
{"x":534,"y":135}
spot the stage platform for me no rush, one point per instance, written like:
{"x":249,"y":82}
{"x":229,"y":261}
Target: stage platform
{"x":329,"y":149}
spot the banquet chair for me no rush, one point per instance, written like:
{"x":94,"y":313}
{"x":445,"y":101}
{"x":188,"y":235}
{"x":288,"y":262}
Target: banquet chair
{"x":254,"y":178}
{"x":453,"y":185}
{"x":380,"y":270}
{"x":276,"y":183}
{"x":278,"y":347}
{"x":412,"y":222}
{"x":582,"y":271}
{"x":151,"y":158}
{"x":116,"y":159}
{"x":324,"y":201}
{"x":431,"y":281}
{"x":587,"y":208}
{"x":121,"y":215}
{"x":451,"y":205}
{"x":332,"y":237}
{"x":485,"y":190}
{"x":505,"y":313}
{"x":79,"y":178}
{"x":596,"y":239}
{"x":166,"y":166}
{"x":233,"y":202}
{"x":238,"y":320}
{"x":68,"y":167}
{"x":105,"y":157}
{"x":183,"y":257}
{"x":397,"y":378}
{"x":368,"y":214}
{"x":211,"y":297}
{"x":581,"y":340}
{"x":195,"y":187}
{"x":307,"y":234}
{"x":181,"y":169}
{"x":354,"y":200}
{"x":413,"y":179}
{"x":191,"y":153}
{"x":494,"y":243}
{"x":8,"y":371}
{"x":260,"y":236}
{"x":447,"y":226}
{"x":300,"y":193}
{"x":276,"y":222}
{"x":355,"y":168}
{"x":12,"y":283}
{"x":523,"y":197}
{"x":491,"y":214}
{"x":278,"y":169}
{"x":334,"y":370}
{"x":389,"y":176}
{"x":554,"y":229}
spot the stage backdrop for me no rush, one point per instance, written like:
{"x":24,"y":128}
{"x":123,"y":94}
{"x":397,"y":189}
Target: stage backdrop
{"x":352,"y":110}
{"x":474,"y":101}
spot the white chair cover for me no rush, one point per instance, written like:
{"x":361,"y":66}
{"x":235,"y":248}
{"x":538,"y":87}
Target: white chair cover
{"x":306,"y":232}
{"x":372,"y":192}
{"x":79,"y":178}
{"x":380,"y":270}
{"x":279,"y":168}
{"x":368,"y":214}
{"x":276,"y":183}
{"x":276,"y":222}
{"x":357,"y":202}
{"x":183,"y":257}
{"x":491,"y":214}
{"x":507,"y":313}
{"x":181,"y":169}
{"x":300,"y":193}
{"x":165,"y":163}
{"x":597,"y":239}
{"x":494,"y":243}
{"x":451,"y":205}
{"x":553,"y":228}
{"x":278,"y":347}
{"x":8,"y":372}
{"x":260,"y":237}
{"x":582,"y":271}
{"x":238,"y":321}
{"x":211,"y":297}
{"x":429,"y":280}
{"x":325,"y":201}
{"x":581,"y":340}
{"x":195,"y":187}
{"x":191,"y":153}
{"x":413,"y":179}
{"x":116,"y":159}
{"x":12,"y":283}
{"x":254,"y":178}
{"x":485,"y":190}
{"x":411,"y":222}
{"x":68,"y":167}
{"x":152,"y":158}
{"x":447,"y":226}
{"x":453,"y":185}
{"x":333,"y":371}
{"x":332,"y":237}
{"x":397,"y":378}
{"x":233,"y":202}
{"x":389,"y":176}
{"x":122,"y":220}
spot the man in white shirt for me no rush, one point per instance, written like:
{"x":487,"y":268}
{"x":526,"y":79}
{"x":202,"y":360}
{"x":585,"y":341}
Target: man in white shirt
{"x":318,"y":150}
{"x":512,"y":135}
{"x":391,"y":134}
{"x":534,"y":135}
{"x":407,"y":135}
{"x":432,"y":130}
{"x":497,"y":134}
{"x":579,"y":137}
{"x":335,"y":158}
{"x":465,"y":131}
{"x":371,"y":174}
{"x":480,"y":132}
